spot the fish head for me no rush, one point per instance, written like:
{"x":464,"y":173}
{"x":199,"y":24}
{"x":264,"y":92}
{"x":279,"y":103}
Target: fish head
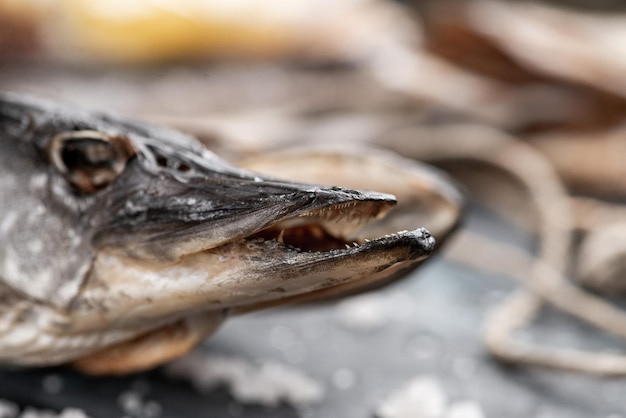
{"x":120,"y":225}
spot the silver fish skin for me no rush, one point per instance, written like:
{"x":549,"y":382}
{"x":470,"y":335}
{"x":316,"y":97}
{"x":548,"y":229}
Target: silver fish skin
{"x":112,"y":229}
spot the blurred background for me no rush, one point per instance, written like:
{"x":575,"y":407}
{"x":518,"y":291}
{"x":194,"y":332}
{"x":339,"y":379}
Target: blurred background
{"x":523,"y":103}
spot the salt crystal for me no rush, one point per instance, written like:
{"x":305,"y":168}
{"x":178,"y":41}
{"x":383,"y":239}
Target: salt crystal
{"x":8,"y":409}
{"x":267,"y":384}
{"x":130,"y":402}
{"x":72,"y":413}
{"x":30,"y":412}
{"x":464,"y":409}
{"x":275,"y":382}
{"x":422,"y":397}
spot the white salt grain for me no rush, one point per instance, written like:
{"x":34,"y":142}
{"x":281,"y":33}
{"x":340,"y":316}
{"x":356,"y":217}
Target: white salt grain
{"x":72,"y":413}
{"x":464,"y":409}
{"x":422,"y":397}
{"x":133,"y":403}
{"x":267,"y":384}
{"x":8,"y":409}
{"x":130,"y":402}
{"x":30,"y":412}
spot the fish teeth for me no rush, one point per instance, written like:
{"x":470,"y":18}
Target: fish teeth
{"x":341,"y":213}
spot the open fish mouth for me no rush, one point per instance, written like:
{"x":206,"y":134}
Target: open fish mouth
{"x":333,"y":227}
{"x":150,"y":215}
{"x":142,"y":235}
{"x":294,"y":243}
{"x":301,"y":256}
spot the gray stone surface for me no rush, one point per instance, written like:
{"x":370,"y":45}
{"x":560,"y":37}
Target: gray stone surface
{"x":431,"y":327}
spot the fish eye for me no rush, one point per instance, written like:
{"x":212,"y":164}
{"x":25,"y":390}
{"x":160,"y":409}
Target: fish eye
{"x":89,"y":160}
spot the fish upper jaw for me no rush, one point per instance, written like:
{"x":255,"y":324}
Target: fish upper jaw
{"x":158,"y":217}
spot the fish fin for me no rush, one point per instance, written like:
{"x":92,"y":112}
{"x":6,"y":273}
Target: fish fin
{"x":152,"y":349}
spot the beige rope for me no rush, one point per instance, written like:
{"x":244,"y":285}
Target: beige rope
{"x":545,"y":280}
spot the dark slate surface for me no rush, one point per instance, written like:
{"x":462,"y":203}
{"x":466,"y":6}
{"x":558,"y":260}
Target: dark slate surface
{"x":435,"y":333}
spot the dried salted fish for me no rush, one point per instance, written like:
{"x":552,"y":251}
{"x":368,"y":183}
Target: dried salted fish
{"x":126,"y":244}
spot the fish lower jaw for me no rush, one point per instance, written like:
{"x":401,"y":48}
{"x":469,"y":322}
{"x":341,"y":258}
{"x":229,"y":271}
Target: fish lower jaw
{"x":317,"y":238}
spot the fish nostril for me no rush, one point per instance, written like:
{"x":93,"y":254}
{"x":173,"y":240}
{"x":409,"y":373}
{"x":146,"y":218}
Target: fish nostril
{"x":164,"y":162}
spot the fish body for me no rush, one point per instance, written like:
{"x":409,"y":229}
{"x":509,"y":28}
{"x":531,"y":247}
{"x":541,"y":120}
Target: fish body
{"x":125,"y":244}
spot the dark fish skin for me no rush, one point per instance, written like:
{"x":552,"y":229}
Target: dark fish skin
{"x":154,"y":210}
{"x":111,"y":229}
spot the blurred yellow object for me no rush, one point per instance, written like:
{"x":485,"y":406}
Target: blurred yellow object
{"x":151,"y":30}
{"x":162,"y":30}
